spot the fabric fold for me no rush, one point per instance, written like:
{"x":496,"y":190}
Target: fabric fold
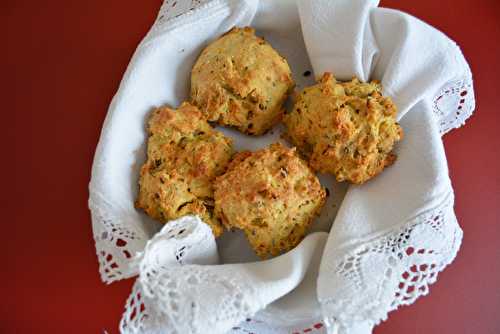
{"x":360,"y":277}
{"x":391,"y":236}
{"x":181,"y":289}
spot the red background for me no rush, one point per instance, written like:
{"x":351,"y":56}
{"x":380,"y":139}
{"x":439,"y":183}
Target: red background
{"x":61,"y":64}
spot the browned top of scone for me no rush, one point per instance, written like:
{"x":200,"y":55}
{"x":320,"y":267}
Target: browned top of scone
{"x":345,"y":128}
{"x":184,"y":156}
{"x":272,"y":195}
{"x":239,"y":80}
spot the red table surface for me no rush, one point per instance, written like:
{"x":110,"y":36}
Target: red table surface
{"x":61,"y":64}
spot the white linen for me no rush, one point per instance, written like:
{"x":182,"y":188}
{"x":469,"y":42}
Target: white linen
{"x":390,"y":236}
{"x":360,"y":276}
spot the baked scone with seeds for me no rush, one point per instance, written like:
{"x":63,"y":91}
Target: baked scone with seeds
{"x":272,"y":195}
{"x":347,"y":129}
{"x":239,"y":80}
{"x":185,"y":154}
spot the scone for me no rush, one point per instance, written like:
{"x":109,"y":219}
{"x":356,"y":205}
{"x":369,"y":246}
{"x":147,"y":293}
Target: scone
{"x":272,"y":195}
{"x":185,"y":154}
{"x":239,"y":80}
{"x":347,"y":129}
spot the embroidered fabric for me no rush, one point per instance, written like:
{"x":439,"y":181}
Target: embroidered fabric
{"x":168,"y":270}
{"x":257,"y":326}
{"x":170,"y":10}
{"x":151,"y":311}
{"x":454,"y":104}
{"x":117,"y":239}
{"x":180,"y":282}
{"x":415,"y":253}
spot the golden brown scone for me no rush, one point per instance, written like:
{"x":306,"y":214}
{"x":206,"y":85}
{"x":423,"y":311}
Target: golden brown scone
{"x":185,"y":154}
{"x":239,"y":80}
{"x":272,"y":195}
{"x":345,"y":128}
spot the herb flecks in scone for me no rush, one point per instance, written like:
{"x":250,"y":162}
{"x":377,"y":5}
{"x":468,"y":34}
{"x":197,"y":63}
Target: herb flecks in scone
{"x":347,"y":129}
{"x":272,"y":195}
{"x":184,"y":156}
{"x":239,"y":80}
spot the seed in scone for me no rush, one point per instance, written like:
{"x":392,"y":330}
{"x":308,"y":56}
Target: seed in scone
{"x":239,"y":80}
{"x":184,"y":155}
{"x":347,"y":129}
{"x":272,"y":195}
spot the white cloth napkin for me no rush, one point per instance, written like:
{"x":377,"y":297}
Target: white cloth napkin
{"x":390,"y":237}
{"x":402,"y":222}
{"x":179,"y":289}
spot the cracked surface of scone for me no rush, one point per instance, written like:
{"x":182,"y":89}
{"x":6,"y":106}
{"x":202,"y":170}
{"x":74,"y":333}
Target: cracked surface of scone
{"x":239,"y":80}
{"x":347,"y":129}
{"x":272,"y":195}
{"x":184,"y":155}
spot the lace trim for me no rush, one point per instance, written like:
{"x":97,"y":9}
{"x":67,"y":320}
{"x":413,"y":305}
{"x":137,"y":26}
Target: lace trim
{"x":454,"y":104}
{"x":174,"y":8}
{"x":138,"y":313}
{"x":116,"y":241}
{"x":167,"y":293}
{"x":413,"y":256}
{"x":255,"y":326}
{"x":156,"y":305}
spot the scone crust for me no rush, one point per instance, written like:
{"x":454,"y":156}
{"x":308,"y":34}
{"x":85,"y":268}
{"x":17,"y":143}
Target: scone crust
{"x":347,"y":129}
{"x":272,"y":195}
{"x":184,"y":155}
{"x":239,"y":80}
